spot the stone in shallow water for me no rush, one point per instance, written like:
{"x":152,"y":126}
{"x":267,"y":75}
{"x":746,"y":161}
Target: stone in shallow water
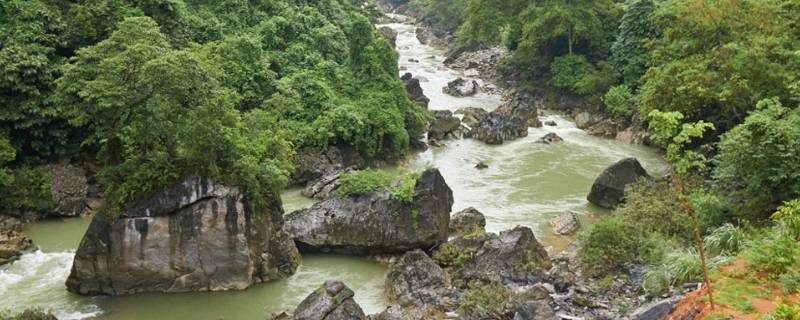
{"x":196,"y":236}
{"x":566,"y":223}
{"x":461,"y":88}
{"x":332,"y":301}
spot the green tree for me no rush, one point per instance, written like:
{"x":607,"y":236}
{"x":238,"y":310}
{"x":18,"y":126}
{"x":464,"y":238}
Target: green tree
{"x":636,"y":31}
{"x":759,"y":158}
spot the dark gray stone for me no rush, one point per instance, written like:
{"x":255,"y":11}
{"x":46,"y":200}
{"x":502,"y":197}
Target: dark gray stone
{"x":467,"y":221}
{"x":513,"y":257}
{"x":332,"y":301}
{"x":608,"y":189}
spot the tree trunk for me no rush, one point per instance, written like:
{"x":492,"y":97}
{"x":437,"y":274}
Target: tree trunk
{"x":697,"y":236}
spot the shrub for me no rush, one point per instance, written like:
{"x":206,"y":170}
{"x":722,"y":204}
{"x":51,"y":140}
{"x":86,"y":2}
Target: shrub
{"x":607,"y":245}
{"x":575,"y":73}
{"x":785,"y":311}
{"x":28,"y":189}
{"x":451,"y":256}
{"x":790,"y":282}
{"x":484,"y":301}
{"x":774,"y":253}
{"x":619,"y":101}
{"x":653,"y":207}
{"x":788,"y":215}
{"x":759,"y":157}
{"x":727,"y":239}
{"x":365,"y":181}
{"x":712,"y":211}
{"x":677,"y":267}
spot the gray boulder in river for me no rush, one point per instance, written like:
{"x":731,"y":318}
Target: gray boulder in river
{"x":196,"y":236}
{"x":461,"y":88}
{"x":416,"y":282}
{"x":513,"y":257}
{"x":375,"y":222}
{"x":608,"y":189}
{"x":332,"y":301}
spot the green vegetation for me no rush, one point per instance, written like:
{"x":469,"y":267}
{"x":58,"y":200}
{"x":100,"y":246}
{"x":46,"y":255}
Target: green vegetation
{"x":484,"y":300}
{"x":607,"y":245}
{"x":785,"y":311}
{"x":157,"y":91}
{"x":452,"y":255}
{"x":400,"y":187}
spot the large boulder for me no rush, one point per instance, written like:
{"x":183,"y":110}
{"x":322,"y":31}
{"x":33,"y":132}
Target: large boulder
{"x":332,"y":301}
{"x":444,"y":125}
{"x":498,"y":127}
{"x":467,"y":221}
{"x":461,"y":88}
{"x":376,"y":222}
{"x":12,"y":242}
{"x":196,"y":236}
{"x":608,"y":189}
{"x":513,"y":257}
{"x":416,"y":281}
{"x":414,"y":90}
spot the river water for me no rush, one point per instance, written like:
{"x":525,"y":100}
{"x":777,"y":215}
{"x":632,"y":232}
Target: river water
{"x":526,"y":183}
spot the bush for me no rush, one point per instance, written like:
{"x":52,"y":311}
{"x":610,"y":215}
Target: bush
{"x":451,"y":256}
{"x":484,"y":301}
{"x":788,"y":215}
{"x":759,"y":157}
{"x":619,"y":101}
{"x":28,"y":189}
{"x":774,"y":253}
{"x":365,"y":181}
{"x":653,"y":207}
{"x":607,"y":245}
{"x":726,"y":240}
{"x":712,"y":211}
{"x":790,"y":282}
{"x":785,"y":311}
{"x":575,"y":73}
{"x":678,"y":267}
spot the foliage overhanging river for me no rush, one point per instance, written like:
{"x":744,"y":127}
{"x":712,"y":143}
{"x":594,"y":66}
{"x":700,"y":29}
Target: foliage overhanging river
{"x":527,"y":183}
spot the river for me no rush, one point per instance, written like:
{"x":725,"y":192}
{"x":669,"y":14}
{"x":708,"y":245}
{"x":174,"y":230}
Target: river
{"x":526,"y":183}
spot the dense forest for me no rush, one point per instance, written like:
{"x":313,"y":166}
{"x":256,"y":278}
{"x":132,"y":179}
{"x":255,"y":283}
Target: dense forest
{"x":716,"y":82}
{"x":158,"y":90}
{"x":153,"y":91}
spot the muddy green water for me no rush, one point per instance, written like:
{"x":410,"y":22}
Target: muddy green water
{"x":527,"y":183}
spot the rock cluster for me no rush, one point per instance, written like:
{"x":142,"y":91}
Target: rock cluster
{"x":444,"y":126}
{"x":608,"y":189}
{"x":196,"y":236}
{"x":461,"y":88}
{"x":12,"y":242}
{"x":376,"y":222}
{"x":312,"y":164}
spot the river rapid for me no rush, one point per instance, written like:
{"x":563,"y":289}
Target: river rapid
{"x":526,"y":183}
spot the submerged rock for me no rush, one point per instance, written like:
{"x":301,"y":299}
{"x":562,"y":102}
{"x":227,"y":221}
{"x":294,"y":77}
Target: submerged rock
{"x":332,"y":301}
{"x":509,"y":258}
{"x":12,"y":242}
{"x":551,"y":138}
{"x":444,"y":126}
{"x":415,"y":281}
{"x":467,"y":221}
{"x":196,"y":236}
{"x":376,"y":223}
{"x":608,"y":189}
{"x":566,"y":223}
{"x":461,"y":88}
